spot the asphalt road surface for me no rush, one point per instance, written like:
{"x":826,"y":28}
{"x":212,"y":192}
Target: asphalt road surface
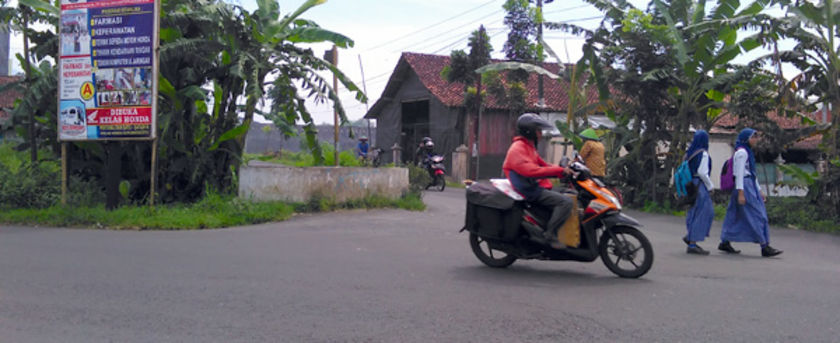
{"x":400,"y":276}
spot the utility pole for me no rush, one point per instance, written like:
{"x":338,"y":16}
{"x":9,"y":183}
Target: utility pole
{"x":541,"y":99}
{"x":540,"y":92}
{"x":332,"y":57}
{"x":364,"y":87}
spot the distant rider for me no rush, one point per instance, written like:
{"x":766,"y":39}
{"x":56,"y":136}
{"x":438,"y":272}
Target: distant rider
{"x":362,"y":148}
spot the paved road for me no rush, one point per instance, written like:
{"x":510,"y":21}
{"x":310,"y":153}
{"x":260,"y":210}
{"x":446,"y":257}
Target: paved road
{"x":399,"y":276}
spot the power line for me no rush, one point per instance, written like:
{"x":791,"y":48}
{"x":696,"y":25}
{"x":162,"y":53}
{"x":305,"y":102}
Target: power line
{"x":566,"y":9}
{"x":460,"y":40}
{"x":461,"y":26}
{"x":458,"y":36}
{"x":433,"y":25}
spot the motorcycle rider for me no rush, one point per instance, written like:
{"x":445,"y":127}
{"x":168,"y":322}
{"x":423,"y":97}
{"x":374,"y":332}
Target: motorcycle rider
{"x":424,"y":150}
{"x":527,"y":173}
{"x":362,"y":148}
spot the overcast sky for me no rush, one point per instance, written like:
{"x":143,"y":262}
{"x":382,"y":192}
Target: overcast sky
{"x":382,"y":30}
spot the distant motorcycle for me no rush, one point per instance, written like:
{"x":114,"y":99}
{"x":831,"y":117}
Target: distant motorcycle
{"x":374,"y":157}
{"x":437,"y":171}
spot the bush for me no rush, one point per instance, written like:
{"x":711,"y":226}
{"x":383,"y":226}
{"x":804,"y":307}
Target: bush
{"x":418,"y":179}
{"x":305,"y":159}
{"x":797,"y":213}
{"x":27,"y":184}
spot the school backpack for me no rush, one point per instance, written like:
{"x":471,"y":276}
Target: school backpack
{"x":727,"y":176}
{"x":682,"y":177}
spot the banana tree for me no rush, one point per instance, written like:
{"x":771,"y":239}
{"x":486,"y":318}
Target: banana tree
{"x":671,"y":65}
{"x":815,"y":27}
{"x":246,"y":58}
{"x":39,"y":78}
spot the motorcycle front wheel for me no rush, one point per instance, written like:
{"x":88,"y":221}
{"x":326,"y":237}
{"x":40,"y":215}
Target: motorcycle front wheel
{"x":489,"y":256}
{"x":626,"y":252}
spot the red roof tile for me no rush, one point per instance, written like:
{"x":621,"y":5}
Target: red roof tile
{"x":7,"y":99}
{"x":728,"y":122}
{"x":428,"y":68}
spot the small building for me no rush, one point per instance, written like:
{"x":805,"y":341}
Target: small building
{"x":418,"y":102}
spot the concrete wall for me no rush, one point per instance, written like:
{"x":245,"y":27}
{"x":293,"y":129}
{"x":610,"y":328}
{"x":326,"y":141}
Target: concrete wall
{"x":267,"y":181}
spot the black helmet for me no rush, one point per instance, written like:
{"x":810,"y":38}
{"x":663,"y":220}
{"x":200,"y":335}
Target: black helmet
{"x":528,"y":124}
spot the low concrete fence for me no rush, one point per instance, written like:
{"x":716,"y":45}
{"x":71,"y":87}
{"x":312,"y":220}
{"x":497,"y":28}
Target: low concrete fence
{"x":268,"y":181}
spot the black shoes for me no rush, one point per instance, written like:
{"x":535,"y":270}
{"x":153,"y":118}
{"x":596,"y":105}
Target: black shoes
{"x":551,"y":239}
{"x":685,"y":240}
{"x":696,"y":250}
{"x":727,"y":247}
{"x":768,"y":251}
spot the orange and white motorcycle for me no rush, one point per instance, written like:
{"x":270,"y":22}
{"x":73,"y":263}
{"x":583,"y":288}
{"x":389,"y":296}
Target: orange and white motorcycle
{"x":503,"y":227}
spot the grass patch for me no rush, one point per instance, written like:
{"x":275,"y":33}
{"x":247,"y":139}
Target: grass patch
{"x":214,"y":211}
{"x":305,"y":159}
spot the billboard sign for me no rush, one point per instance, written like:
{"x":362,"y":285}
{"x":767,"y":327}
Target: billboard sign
{"x":108,"y":69}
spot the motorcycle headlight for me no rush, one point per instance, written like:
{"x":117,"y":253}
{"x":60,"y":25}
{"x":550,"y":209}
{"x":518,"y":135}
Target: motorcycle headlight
{"x":610,"y":197}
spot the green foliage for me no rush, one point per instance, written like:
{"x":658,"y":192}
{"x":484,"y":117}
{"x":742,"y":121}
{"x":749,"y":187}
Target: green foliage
{"x":418,"y":178}
{"x":462,"y":67}
{"x":213,"y":211}
{"x":411,"y":201}
{"x":797,"y":213}
{"x":302,"y":159}
{"x":520,"y":45}
{"x":671,"y":63}
{"x":27,"y":184}
{"x":215,"y":59}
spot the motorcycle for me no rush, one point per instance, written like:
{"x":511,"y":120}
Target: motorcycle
{"x":437,"y":171}
{"x":373,"y":157}
{"x":503,"y":227}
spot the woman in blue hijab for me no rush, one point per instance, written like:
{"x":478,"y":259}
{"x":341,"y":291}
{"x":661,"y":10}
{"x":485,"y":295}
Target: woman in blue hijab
{"x":746,"y":216}
{"x":699,"y":218}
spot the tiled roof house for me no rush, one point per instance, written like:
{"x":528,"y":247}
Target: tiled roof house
{"x":417,"y":102}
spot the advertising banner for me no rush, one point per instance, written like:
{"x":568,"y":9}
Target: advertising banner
{"x":108,"y":69}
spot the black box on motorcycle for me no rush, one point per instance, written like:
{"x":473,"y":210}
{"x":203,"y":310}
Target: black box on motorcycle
{"x":491,"y":213}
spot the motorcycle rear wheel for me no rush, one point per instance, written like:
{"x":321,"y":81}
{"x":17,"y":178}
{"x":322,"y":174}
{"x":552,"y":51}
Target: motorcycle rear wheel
{"x":489,"y":256}
{"x":440,"y":183}
{"x":636,"y":252}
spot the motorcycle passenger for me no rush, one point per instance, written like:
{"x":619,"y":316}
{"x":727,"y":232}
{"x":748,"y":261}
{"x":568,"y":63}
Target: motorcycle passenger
{"x":527,"y":173}
{"x":362,"y":148}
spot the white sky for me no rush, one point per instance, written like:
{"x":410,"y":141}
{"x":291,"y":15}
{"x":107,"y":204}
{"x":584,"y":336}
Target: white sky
{"x":383,"y":29}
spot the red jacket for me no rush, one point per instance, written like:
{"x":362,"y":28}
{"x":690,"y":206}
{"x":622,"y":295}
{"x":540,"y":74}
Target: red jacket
{"x":526,"y":164}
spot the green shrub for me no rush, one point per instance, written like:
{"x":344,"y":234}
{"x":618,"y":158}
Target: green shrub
{"x":418,"y":178}
{"x":798,"y":213}
{"x":27,"y":184}
{"x":305,"y":159}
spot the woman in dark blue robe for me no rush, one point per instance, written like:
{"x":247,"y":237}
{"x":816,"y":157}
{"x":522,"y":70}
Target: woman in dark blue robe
{"x":699,"y":218}
{"x":746,"y":217}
